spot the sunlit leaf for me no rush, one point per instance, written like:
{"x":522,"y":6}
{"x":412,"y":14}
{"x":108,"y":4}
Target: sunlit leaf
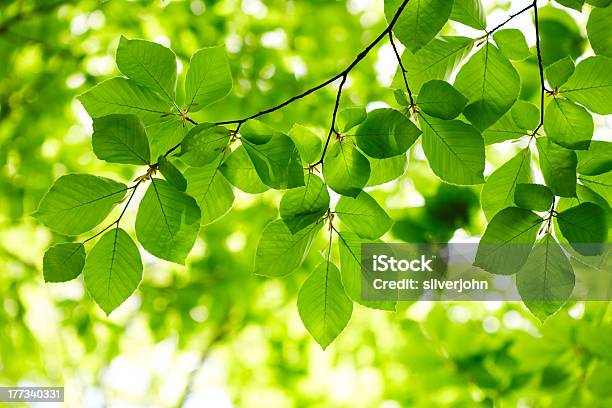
{"x":209,"y":78}
{"x":499,"y":189}
{"x":363,"y":215}
{"x":280,"y":252}
{"x":148,"y":64}
{"x":76,"y":203}
{"x":386,"y":133}
{"x":507,"y":241}
{"x":454,"y":149}
{"x":120,"y":139}
{"x":305,"y":205}
{"x":113,"y":269}
{"x":167,"y":222}
{"x":63,"y":262}
{"x":324,"y":307}
{"x":345,"y":169}
{"x":547,"y":279}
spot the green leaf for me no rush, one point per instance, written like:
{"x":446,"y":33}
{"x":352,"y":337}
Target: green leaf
{"x":599,"y":3}
{"x":559,"y":72}
{"x":166,"y":134}
{"x":384,"y":170}
{"x":120,"y":95}
{"x":568,"y":124}
{"x":440,"y":99}
{"x":348,"y":118}
{"x":573,"y":4}
{"x":507,"y":241}
{"x":490,"y":83}
{"x":525,"y":115}
{"x":209,"y":78}
{"x":386,"y":133}
{"x":120,"y":139}
{"x":323,"y":305}
{"x":401,"y":97}
{"x":437,"y":60}
{"x":499,"y":189}
{"x":274,"y":156}
{"x":420,"y":20}
{"x":591,"y":85}
{"x":547,"y":279}
{"x":280,"y":252}
{"x":512,"y":43}
{"x":212,"y":192}
{"x":148,"y":64}
{"x":171,"y":173}
{"x":454,"y":149}
{"x":600,"y":183}
{"x":63,"y":262}
{"x":76,"y":203}
{"x":470,"y":13}
{"x":345,"y":169}
{"x":598,"y":30}
{"x":585,"y":227}
{"x":239,"y":170}
{"x":350,"y":265}
{"x":113,"y":269}
{"x":596,"y":160}
{"x":560,"y":35}
{"x":519,"y":121}
{"x":535,"y":197}
{"x":203,"y":144}
{"x":303,"y":206}
{"x":363,"y":216}
{"x":167,"y":222}
{"x":307,"y":142}
{"x":558,"y":166}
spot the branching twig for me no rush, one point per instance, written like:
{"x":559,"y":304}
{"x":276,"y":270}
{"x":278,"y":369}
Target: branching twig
{"x":402,"y":68}
{"x":332,"y":129}
{"x":540,"y":66}
{"x":510,"y":17}
{"x":341,"y":75}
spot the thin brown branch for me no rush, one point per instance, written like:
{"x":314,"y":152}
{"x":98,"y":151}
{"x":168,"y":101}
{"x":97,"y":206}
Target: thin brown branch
{"x":540,"y":65}
{"x":334,"y":78}
{"x":510,"y":17}
{"x":402,"y":68}
{"x":341,"y":75}
{"x":118,"y":220}
{"x":332,"y":129}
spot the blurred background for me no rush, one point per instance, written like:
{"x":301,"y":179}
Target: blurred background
{"x":212,"y":334}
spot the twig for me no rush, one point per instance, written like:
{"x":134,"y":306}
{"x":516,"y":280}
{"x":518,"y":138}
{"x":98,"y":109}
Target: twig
{"x":512,"y":16}
{"x":339,"y":75}
{"x":540,"y":66}
{"x":116,"y":222}
{"x":402,"y":68}
{"x":332,"y":129}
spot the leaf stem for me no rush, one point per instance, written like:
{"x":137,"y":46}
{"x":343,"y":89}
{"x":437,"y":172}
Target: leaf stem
{"x":332,"y":129}
{"x":402,"y":68}
{"x":116,"y":222}
{"x":511,"y":17}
